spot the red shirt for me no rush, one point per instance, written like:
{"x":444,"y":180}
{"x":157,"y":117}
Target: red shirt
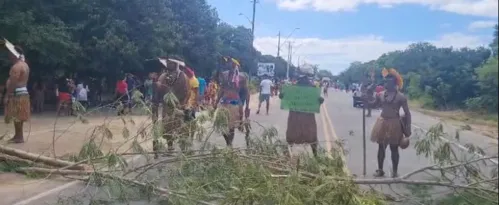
{"x":379,"y":89}
{"x":121,"y":87}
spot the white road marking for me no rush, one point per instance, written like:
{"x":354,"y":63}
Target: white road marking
{"x":60,"y":188}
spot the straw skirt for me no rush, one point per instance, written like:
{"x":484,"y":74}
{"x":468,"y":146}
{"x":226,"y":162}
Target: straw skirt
{"x":18,"y":108}
{"x":302,"y":128}
{"x":387,"y":131}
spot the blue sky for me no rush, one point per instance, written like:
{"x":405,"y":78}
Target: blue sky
{"x":333,"y":33}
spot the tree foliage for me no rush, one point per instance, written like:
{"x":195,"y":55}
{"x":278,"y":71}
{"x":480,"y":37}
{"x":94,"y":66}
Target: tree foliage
{"x":106,"y":38}
{"x":443,"y":78}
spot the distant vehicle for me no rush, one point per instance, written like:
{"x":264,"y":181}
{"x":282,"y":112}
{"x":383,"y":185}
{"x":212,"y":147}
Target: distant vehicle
{"x":357,"y":98}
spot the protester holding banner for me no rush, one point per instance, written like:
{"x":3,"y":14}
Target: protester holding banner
{"x":302,"y":100}
{"x":390,"y":128}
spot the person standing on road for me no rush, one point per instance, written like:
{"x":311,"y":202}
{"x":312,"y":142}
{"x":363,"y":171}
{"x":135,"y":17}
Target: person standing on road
{"x":202,"y":90}
{"x":232,"y":82}
{"x":82,"y":91}
{"x":265,"y":92}
{"x":301,"y":126}
{"x":192,"y":102}
{"x":325,"y":87}
{"x":173,"y":114}
{"x":39,"y":98}
{"x":211,"y":95}
{"x":390,"y":127}
{"x":121,"y":95}
{"x":148,"y":86}
{"x":16,"y":100}
{"x":368,"y":95}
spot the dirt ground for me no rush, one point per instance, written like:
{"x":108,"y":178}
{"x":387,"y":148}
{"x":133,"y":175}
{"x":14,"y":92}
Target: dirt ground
{"x":48,"y":135}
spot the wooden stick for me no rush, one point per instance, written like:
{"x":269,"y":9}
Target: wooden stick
{"x":39,"y":158}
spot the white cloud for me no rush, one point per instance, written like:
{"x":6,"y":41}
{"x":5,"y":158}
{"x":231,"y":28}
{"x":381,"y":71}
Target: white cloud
{"x":466,"y":7}
{"x":481,"y":25}
{"x":336,"y":54}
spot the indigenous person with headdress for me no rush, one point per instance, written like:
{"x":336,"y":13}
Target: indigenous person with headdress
{"x":390,"y":128}
{"x":211,"y":95}
{"x":301,"y":126}
{"x":233,"y":95}
{"x":172,"y":80}
{"x":16,"y":100}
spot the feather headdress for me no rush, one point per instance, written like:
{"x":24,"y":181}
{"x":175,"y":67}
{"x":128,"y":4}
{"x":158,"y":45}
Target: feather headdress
{"x":236,"y":62}
{"x":12,"y":49}
{"x":391,"y":71}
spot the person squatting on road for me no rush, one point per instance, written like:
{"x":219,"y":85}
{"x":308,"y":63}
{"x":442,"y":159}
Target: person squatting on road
{"x":301,"y":126}
{"x":16,"y":100}
{"x":390,"y":127}
{"x":174,"y":81}
{"x":233,"y":95}
{"x":265,"y":92}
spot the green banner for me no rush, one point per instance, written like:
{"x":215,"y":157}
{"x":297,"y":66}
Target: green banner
{"x":301,"y":99}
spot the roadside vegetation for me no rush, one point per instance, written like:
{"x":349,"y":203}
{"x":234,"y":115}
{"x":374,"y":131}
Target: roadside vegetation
{"x":442,"y":79}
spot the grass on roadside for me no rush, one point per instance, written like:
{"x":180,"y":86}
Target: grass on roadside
{"x":486,"y":121}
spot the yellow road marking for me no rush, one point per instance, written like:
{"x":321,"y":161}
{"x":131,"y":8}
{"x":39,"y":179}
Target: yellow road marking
{"x":327,"y":138}
{"x":329,"y":131}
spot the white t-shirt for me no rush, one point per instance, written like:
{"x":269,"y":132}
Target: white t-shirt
{"x":82,"y":92}
{"x":357,"y":93}
{"x":265,"y":85}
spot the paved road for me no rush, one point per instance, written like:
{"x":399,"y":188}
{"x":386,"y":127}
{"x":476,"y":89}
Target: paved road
{"x":347,"y":122}
{"x":338,"y":121}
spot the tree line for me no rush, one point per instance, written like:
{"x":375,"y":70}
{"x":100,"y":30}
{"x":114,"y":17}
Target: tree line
{"x":95,"y":38}
{"x":439,"y":78}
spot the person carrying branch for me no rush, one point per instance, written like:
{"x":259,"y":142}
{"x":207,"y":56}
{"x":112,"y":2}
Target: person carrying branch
{"x":301,"y":126}
{"x":16,"y":100}
{"x":390,"y":128}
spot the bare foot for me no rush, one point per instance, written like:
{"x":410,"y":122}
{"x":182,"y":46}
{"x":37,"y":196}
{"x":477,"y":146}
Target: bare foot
{"x":16,"y":140}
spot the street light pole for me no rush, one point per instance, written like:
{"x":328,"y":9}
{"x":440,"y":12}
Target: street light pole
{"x":289,"y":59}
{"x":278,"y":43}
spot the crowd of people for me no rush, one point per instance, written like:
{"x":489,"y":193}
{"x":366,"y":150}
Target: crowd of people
{"x":228,"y":89}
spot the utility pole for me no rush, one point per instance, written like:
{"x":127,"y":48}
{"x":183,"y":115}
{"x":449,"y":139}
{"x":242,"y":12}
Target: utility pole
{"x":253,"y":22}
{"x":253,"y":36}
{"x":278,"y":43}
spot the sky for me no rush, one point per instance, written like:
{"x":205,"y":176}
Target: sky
{"x":334,"y":33}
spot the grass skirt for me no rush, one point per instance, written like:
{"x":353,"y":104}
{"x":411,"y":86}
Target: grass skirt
{"x":18,"y":108}
{"x":234,"y":115}
{"x":387,"y":131}
{"x":172,"y":122}
{"x":302,"y":128}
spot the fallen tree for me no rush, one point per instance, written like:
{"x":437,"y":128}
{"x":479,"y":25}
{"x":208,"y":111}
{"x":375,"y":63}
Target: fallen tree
{"x":264,"y":173}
